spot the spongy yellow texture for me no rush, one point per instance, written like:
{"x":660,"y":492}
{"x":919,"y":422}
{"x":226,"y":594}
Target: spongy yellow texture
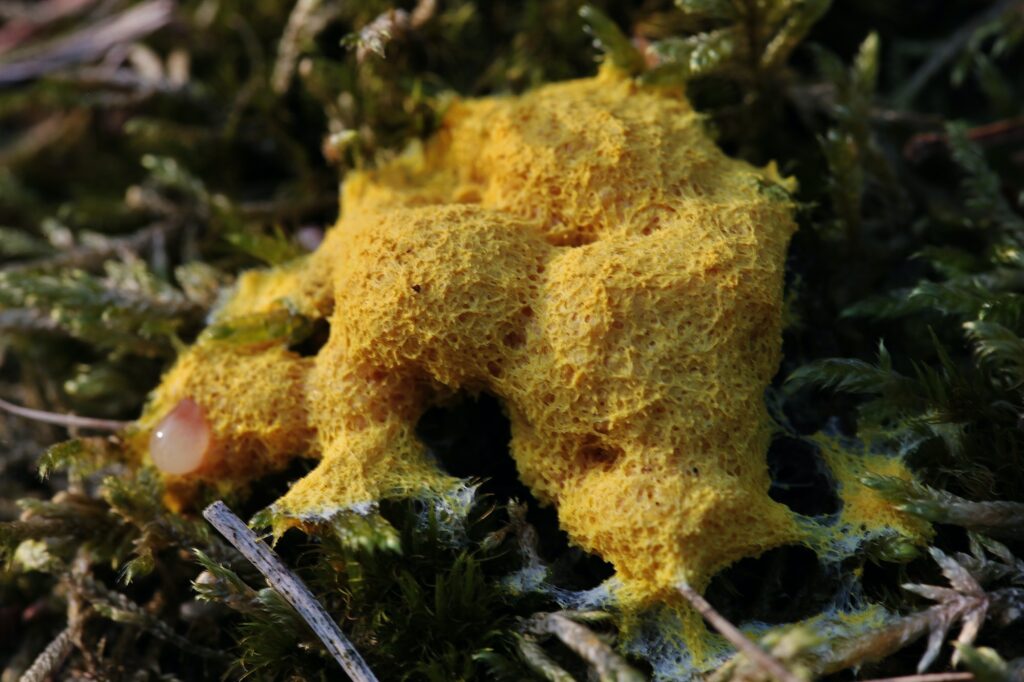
{"x":585,"y":253}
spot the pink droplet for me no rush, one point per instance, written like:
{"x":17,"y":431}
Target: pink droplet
{"x":309,"y":237}
{"x":181,"y":441}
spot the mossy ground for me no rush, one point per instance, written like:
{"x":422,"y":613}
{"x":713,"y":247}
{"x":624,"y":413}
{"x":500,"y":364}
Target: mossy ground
{"x":142,"y":167}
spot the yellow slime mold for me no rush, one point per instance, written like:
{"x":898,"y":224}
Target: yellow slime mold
{"x":583,"y":252}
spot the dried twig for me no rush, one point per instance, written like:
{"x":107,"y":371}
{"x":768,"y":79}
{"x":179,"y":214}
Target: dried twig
{"x":69,"y":420}
{"x":291,"y":208}
{"x":949,"y":48}
{"x":22,"y":21}
{"x":122,"y":79}
{"x":307,"y":19}
{"x":88,"y":43}
{"x":120,"y":609}
{"x":291,"y":587}
{"x":768,"y":663}
{"x":606,"y":663}
{"x":24,"y":320}
{"x":1007,"y":131}
{"x":85,"y":257}
{"x":814,"y":98}
{"x":879,"y":643}
{"x":44,"y":135}
{"x":932,"y":677}
{"x":375,"y":36}
{"x":796,"y":647}
{"x":526,"y":535}
{"x":538,"y":661}
{"x":50,"y":658}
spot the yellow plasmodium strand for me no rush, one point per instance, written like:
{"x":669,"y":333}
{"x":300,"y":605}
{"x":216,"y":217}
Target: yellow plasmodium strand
{"x":867,"y":511}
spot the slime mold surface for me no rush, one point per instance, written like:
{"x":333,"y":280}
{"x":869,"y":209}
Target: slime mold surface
{"x":585,"y":253}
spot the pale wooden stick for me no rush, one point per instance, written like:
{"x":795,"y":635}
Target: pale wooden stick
{"x":291,"y":587}
{"x":88,"y":43}
{"x":590,"y":647}
{"x":71,"y":420}
{"x":756,"y":654}
{"x":932,"y":677}
{"x":51,"y":658}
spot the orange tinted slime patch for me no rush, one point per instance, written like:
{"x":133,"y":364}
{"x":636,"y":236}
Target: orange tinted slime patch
{"x":583,"y":252}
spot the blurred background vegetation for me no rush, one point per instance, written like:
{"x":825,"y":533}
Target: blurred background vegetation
{"x":150,"y":151}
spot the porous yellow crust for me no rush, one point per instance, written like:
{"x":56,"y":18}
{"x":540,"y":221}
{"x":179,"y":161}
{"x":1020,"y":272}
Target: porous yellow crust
{"x":585,"y":253}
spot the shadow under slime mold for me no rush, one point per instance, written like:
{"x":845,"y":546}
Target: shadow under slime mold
{"x":588,"y":256}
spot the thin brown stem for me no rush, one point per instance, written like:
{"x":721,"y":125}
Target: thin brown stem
{"x":606,"y":663}
{"x":88,"y":43}
{"x":951,"y":46}
{"x":1007,"y":131}
{"x":931,"y":677}
{"x":51,"y":658}
{"x":69,"y":420}
{"x":84,"y":257}
{"x":762,"y":658}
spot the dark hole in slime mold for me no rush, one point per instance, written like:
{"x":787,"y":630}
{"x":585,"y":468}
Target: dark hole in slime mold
{"x":783,"y":585}
{"x":469,"y":436}
{"x":310,"y":346}
{"x":800,"y":478}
